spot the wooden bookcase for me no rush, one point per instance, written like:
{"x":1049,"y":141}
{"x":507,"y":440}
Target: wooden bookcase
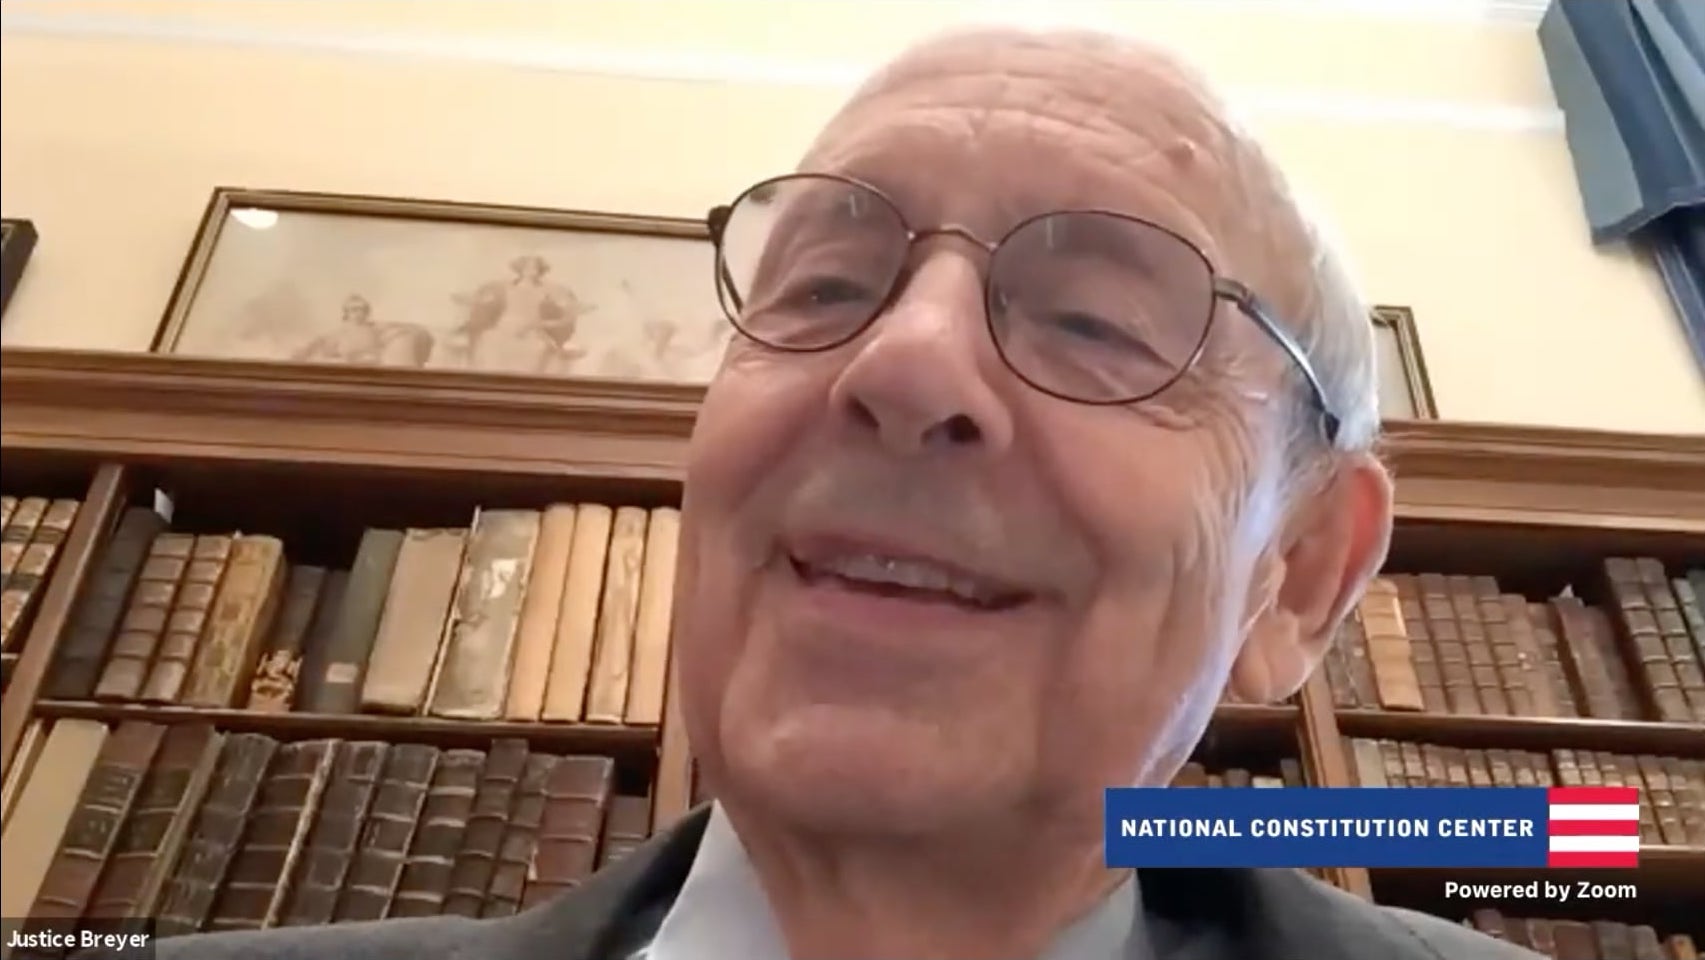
{"x":314,"y":453}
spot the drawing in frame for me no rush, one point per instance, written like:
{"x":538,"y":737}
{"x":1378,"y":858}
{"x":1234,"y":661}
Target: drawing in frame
{"x":17,"y":242}
{"x":1405,"y":392}
{"x":377,"y":281}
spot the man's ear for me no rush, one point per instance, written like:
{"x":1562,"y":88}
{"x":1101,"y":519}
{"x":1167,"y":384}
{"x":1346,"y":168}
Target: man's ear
{"x":1334,"y":543}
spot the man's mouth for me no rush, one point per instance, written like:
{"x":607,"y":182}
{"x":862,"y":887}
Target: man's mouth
{"x":905,"y":578}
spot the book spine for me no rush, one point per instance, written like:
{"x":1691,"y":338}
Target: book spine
{"x":94,"y":620}
{"x":188,"y":619}
{"x":520,"y":840}
{"x":241,"y":618}
{"x":26,"y":580}
{"x":145,"y":619}
{"x":335,"y":687}
{"x":576,"y":794}
{"x":273,"y":688}
{"x":474,"y":679}
{"x":264,"y":868}
{"x":218,"y":832}
{"x":470,"y":875}
{"x":416,"y":617}
{"x":331,"y":842}
{"x":444,"y":818}
{"x":390,"y":827}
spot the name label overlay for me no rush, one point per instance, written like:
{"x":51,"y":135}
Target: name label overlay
{"x":40,"y":938}
{"x":1562,"y":827}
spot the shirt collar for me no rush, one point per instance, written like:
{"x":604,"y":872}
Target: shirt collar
{"x":721,"y":913}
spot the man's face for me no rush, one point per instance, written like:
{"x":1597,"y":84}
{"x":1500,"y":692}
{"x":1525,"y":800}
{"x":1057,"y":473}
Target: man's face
{"x":1112,"y":549}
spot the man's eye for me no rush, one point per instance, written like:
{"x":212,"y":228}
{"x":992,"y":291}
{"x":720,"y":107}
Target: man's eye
{"x":1092,"y":328}
{"x":830,"y":291}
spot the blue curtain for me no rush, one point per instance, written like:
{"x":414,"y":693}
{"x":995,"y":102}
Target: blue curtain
{"x":1630,"y":77}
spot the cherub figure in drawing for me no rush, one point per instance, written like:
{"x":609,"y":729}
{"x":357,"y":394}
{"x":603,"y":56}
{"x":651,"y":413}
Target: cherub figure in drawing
{"x":360,"y":340}
{"x":524,"y":324}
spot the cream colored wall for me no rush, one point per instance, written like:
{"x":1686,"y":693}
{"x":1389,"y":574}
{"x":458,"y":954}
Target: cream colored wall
{"x":1430,"y":141}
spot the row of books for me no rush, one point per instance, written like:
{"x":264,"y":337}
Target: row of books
{"x":1672,"y":789}
{"x":557,"y":615}
{"x":1462,"y":645}
{"x":1584,"y":939}
{"x":203,"y":830}
{"x":32,"y":529}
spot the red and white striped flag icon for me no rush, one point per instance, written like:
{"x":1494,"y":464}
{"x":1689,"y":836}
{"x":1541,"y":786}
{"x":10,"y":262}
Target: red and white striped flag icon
{"x":1594,"y":827}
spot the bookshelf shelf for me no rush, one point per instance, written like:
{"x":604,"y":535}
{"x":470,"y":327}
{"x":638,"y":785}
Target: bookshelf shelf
{"x":1527,"y":733}
{"x":631,"y":744}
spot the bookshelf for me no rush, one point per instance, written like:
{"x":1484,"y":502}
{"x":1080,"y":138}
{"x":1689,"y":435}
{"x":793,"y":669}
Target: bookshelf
{"x":314,"y":455}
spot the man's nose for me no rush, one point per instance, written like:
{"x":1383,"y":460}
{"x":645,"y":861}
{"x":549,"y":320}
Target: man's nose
{"x":926,"y":377}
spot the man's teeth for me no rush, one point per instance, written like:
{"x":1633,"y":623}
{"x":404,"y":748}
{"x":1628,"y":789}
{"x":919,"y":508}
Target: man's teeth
{"x":912,"y":574}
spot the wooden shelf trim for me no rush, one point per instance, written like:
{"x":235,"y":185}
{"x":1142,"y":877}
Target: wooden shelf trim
{"x":1526,"y":733}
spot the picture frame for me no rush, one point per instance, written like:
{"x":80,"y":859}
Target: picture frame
{"x":17,"y":241}
{"x":278,"y":275}
{"x":1405,"y":391}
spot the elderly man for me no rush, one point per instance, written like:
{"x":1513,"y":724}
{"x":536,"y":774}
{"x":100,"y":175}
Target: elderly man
{"x":1050,"y":424}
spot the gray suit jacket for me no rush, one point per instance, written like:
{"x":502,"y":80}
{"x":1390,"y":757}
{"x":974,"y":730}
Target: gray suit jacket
{"x":1191,"y":915}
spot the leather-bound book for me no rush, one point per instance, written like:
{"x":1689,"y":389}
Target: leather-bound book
{"x":1672,"y":627}
{"x":470,"y":876}
{"x":473,"y":680}
{"x":1456,"y":767}
{"x":1598,"y":674}
{"x":1192,"y":774}
{"x":273,"y":689}
{"x":23,"y":761}
{"x":576,"y":794}
{"x":1533,"y":674}
{"x":44,"y":810}
{"x":332,"y":841}
{"x":7,"y":505}
{"x":259,"y":881}
{"x":390,"y":826}
{"x":25,"y":582}
{"x":1477,"y":643}
{"x":95,"y":618}
{"x":1512,"y":670}
{"x":1638,"y":629}
{"x":612,"y":659}
{"x":1448,"y":644}
{"x":650,"y":675}
{"x":1433,"y":758}
{"x":1421,"y":647}
{"x":101,"y":808}
{"x":15,"y":535}
{"x":1503,"y":772}
{"x":188,"y":620}
{"x":415,"y":622}
{"x":1336,"y":663}
{"x":217,"y":832}
{"x":317,"y":645}
{"x":520,"y":839}
{"x":1388,"y":647}
{"x":148,"y":844}
{"x":1644,"y":940}
{"x":1540,"y":618}
{"x":1665,"y":811}
{"x":1542,"y":937}
{"x":1575,"y":940}
{"x":241,"y":619}
{"x":535,"y":631}
{"x":145,"y":617}
{"x":571,"y":655}
{"x":1367,"y":765}
{"x":443,"y":820}
{"x":1615,"y":941}
{"x":1354,"y":640}
{"x":1692,"y":607}
{"x":334,"y":686}
{"x":627,"y":825}
{"x":1628,"y":774}
{"x":1687,"y":782}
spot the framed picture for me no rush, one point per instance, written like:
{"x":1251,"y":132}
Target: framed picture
{"x":17,"y":242}
{"x":1405,"y":393}
{"x":374,"y":281}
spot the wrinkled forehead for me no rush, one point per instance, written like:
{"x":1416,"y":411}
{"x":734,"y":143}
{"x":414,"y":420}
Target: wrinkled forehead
{"x":987,"y":129}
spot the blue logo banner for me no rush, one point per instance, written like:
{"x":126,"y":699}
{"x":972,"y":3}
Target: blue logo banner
{"x":1328,"y":827}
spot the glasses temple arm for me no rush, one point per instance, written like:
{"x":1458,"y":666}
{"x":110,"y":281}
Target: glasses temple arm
{"x":1251,"y":305}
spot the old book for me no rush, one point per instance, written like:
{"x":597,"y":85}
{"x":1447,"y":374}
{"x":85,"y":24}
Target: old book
{"x":1391,"y":757}
{"x":101,"y":808}
{"x":470,"y":875}
{"x":415,"y":620}
{"x":1367,"y":763}
{"x":332,"y":840}
{"x":95,"y":618}
{"x":1540,"y":617}
{"x":627,"y":825}
{"x":23,"y":761}
{"x":238,"y":625}
{"x":520,"y":839}
{"x":1688,"y":664}
{"x":1482,"y":667}
{"x":145,"y":617}
{"x":1688,"y":600}
{"x":1645,"y":942}
{"x":1336,"y":663}
{"x":650,"y":673}
{"x":390,"y":826}
{"x":335,"y":684}
{"x":1433,"y":759}
{"x":437,"y":838}
{"x":1533,"y":673}
{"x":1448,"y":644}
{"x":1687,"y":782}
{"x":612,"y":658}
{"x":1421,"y":648}
{"x":44,"y":810}
{"x":473,"y":680}
{"x":28,"y":578}
{"x":1665,"y":811}
{"x":1290,"y":772}
{"x":1598,"y":674}
{"x":317,"y":645}
{"x":1192,"y":774}
{"x":148,"y":844}
{"x":1575,"y":940}
{"x":1514,"y":676}
{"x":571,"y":656}
{"x":535,"y":632}
{"x":1388,"y":647}
{"x":259,"y":881}
{"x":1614,"y":940}
{"x":188,"y":619}
{"x":273,"y":688}
{"x":7,"y":504}
{"x":1638,"y":629}
{"x":215,"y":834}
{"x":1354,"y":639}
{"x":576,"y":794}
{"x":15,"y":535}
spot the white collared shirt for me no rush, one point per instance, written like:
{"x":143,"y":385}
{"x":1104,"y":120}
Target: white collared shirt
{"x":721,"y":914}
